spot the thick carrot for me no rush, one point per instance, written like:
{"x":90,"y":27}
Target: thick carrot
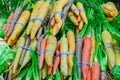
{"x":27,"y":42}
{"x":64,"y":61}
{"x":79,"y":42}
{"x":71,"y":48}
{"x":43,"y":11}
{"x":49,"y":69}
{"x":33,"y":15}
{"x":82,"y":12}
{"x":52,"y":22}
{"x":87,"y":44}
{"x":57,"y":60}
{"x":42,"y":54}
{"x":50,"y":49}
{"x":24,"y":17}
{"x":9,"y":22}
{"x":89,"y":76}
{"x":21,"y":42}
{"x":95,"y":71}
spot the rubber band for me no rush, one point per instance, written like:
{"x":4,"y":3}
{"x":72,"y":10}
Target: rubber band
{"x":64,"y":53}
{"x":41,"y":52}
{"x":20,"y":23}
{"x":76,"y":9}
{"x":83,"y":63}
{"x":81,"y":10}
{"x":59,"y":13}
{"x":106,"y":47}
{"x":13,"y":21}
{"x":24,"y":47}
{"x":117,"y":49}
{"x":116,"y":44}
{"x":34,"y":19}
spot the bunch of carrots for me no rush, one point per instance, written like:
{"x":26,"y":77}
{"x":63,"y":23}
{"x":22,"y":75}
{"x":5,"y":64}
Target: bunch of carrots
{"x":49,"y":48}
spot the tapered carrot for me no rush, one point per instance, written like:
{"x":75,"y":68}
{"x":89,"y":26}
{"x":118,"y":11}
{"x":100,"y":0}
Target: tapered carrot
{"x":49,"y":69}
{"x":50,"y":49}
{"x":87,"y":44}
{"x":71,"y":48}
{"x":95,"y":71}
{"x":52,"y":22}
{"x":9,"y":22}
{"x":74,"y":9}
{"x":89,"y":76}
{"x":57,"y":60}
{"x":42,"y":55}
{"x":78,"y":18}
{"x":81,"y":24}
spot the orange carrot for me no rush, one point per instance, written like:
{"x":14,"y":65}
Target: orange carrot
{"x":57,"y":60}
{"x":52,"y":22}
{"x":89,"y":76}
{"x":42,"y":56}
{"x":49,"y":69}
{"x":8,"y":22}
{"x":95,"y":71}
{"x":87,"y":44}
{"x":11,"y":66}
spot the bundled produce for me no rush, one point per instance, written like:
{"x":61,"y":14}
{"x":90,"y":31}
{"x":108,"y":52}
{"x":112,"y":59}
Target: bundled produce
{"x":50,"y":49}
{"x":22,"y":21}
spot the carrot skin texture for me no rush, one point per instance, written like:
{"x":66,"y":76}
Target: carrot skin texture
{"x":42,"y":56}
{"x":39,"y":42}
{"x":49,"y":69}
{"x":95,"y":71}
{"x":52,"y":22}
{"x":87,"y":44}
{"x":89,"y":76}
{"x":79,"y":42}
{"x":57,"y":60}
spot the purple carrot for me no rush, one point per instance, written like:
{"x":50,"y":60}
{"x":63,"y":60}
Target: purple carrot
{"x":39,"y":42}
{"x":45,"y":23}
{"x":65,"y":10}
{"x":79,"y":41}
{"x":103,"y":76}
{"x":24,"y":50}
{"x":18,"y":11}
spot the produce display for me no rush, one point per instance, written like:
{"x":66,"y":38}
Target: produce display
{"x":60,"y":40}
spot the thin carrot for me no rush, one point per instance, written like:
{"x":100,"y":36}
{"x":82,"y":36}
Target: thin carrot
{"x":9,"y":22}
{"x":11,"y":66}
{"x":57,"y":60}
{"x":95,"y":71}
{"x":71,"y":48}
{"x":87,"y":44}
{"x":49,"y":69}
{"x":89,"y":76}
{"x":52,"y":22}
{"x":78,"y":18}
{"x":42,"y":56}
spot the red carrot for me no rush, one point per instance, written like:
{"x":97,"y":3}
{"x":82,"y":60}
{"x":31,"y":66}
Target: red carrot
{"x":57,"y":60}
{"x":8,"y":22}
{"x":78,"y":18}
{"x":95,"y":71}
{"x":42,"y":56}
{"x":52,"y":22}
{"x":49,"y":69}
{"x":86,"y":55}
{"x":89,"y":76}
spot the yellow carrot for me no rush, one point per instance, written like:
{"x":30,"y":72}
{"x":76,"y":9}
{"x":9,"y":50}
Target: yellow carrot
{"x":21,"y":42}
{"x":71,"y":48}
{"x":82,"y":12}
{"x":22,"y":21}
{"x":107,"y":40}
{"x":64,"y":62}
{"x":50,"y":49}
{"x":117,"y":52}
{"x":33,"y":15}
{"x":74,"y":9}
{"x":43,"y":11}
{"x":81,"y":24}
{"x":72,"y":18}
{"x":27,"y":57}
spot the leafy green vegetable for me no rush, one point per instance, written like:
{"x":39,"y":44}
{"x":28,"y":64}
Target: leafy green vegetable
{"x":2,"y":34}
{"x":116,"y":72}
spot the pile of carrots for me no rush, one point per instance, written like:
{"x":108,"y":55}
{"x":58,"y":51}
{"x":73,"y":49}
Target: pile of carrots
{"x":48,"y":48}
